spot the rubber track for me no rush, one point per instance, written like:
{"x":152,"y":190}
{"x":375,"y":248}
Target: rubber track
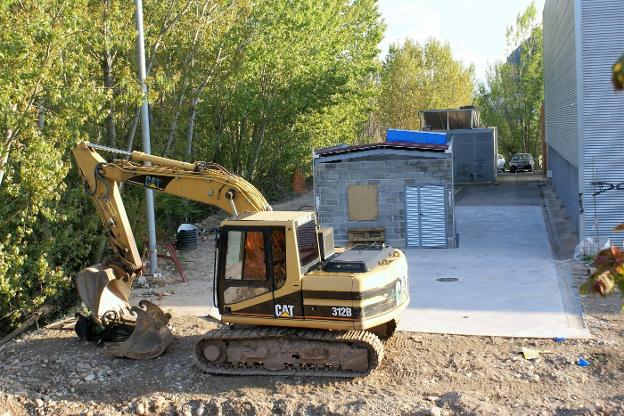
{"x":227,"y":334}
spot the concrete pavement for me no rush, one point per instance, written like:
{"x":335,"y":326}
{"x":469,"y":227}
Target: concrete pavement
{"x":507,"y":282}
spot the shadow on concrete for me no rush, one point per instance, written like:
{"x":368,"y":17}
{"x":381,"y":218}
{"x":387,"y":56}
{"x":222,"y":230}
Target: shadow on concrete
{"x":508,"y":282}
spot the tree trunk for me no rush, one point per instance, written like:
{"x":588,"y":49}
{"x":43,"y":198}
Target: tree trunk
{"x":41,"y":117}
{"x":191,"y":127}
{"x":107,"y":69}
{"x":219,"y":128}
{"x":4,"y":160}
{"x":133,"y":129}
{"x":258,"y":140}
{"x":242,"y":131}
{"x":173,"y":127}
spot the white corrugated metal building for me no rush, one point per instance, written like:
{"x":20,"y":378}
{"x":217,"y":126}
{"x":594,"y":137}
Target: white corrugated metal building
{"x":584,"y":115}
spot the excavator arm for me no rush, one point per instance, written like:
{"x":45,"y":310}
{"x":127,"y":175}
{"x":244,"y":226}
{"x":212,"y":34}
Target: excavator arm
{"x":105,"y":288}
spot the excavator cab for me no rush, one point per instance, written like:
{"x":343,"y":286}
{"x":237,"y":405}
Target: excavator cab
{"x":279,"y":268}
{"x":262,"y":257}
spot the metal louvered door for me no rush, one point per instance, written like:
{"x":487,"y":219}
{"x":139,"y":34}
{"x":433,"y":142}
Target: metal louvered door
{"x":412,"y":216}
{"x":425,"y":216}
{"x":432,"y":216}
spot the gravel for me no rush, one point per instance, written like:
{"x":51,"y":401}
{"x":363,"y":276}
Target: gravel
{"x":49,"y":372}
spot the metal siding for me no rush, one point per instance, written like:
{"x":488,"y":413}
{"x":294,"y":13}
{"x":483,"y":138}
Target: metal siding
{"x":560,"y":83}
{"x":432,"y":218}
{"x":485,"y":157}
{"x":474,"y":155}
{"x":425,"y":216}
{"x":565,"y":181}
{"x":602,"y":120}
{"x":412,"y":217}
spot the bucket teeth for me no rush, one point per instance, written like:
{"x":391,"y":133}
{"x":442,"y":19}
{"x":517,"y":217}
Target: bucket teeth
{"x":105,"y":290}
{"x":151,"y":335}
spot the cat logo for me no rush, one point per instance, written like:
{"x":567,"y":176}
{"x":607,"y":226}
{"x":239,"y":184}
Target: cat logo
{"x":153,"y":182}
{"x":284,"y":311}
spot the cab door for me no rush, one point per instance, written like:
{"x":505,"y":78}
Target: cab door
{"x":243,"y":269}
{"x":288,"y":301}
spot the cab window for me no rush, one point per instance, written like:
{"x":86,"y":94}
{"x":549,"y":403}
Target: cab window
{"x":307,"y":243}
{"x":245,"y":266}
{"x":278,"y":257}
{"x":245,"y":257}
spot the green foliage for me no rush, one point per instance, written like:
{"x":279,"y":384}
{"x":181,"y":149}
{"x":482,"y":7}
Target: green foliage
{"x":252,"y":85}
{"x":514,"y":92}
{"x":418,"y":77}
{"x":44,"y":107}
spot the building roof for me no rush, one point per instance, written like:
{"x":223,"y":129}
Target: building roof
{"x":381,"y":149}
{"x":274,"y":216}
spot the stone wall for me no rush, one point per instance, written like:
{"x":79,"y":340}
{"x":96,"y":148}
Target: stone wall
{"x":392,"y":174}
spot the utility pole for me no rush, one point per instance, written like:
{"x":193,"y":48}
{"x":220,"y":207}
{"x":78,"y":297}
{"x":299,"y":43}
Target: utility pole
{"x":145,"y":135}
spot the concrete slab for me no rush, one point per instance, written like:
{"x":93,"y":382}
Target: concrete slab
{"x":508,"y":283}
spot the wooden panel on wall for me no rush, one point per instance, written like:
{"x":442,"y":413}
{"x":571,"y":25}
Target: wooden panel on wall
{"x":363,"y":202}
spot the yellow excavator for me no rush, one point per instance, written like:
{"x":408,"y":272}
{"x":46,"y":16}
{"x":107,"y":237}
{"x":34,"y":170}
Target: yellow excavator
{"x":291,"y":303}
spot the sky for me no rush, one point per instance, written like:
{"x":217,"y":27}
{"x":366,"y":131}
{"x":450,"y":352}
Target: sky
{"x":475,"y":29}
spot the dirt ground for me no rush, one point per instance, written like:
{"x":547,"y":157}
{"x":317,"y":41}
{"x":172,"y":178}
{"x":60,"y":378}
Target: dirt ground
{"x":49,"y":372}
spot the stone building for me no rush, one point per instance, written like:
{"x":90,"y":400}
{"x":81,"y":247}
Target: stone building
{"x":398,"y":193}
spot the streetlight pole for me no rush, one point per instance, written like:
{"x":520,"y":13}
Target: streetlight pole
{"x":145,"y":135}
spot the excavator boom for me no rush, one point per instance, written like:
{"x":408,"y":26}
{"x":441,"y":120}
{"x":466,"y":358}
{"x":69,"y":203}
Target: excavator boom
{"x":105,"y":288}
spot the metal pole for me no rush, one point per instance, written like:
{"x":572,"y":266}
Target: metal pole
{"x":145,"y":135}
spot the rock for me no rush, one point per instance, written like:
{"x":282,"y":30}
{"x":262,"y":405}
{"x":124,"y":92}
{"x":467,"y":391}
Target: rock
{"x":435,"y":411}
{"x":89,"y":377}
{"x":139,"y":409}
{"x":282,"y":407}
{"x":199,"y":411}
{"x":242,"y":408}
{"x":213,"y":408}
{"x":21,"y":393}
{"x":39,"y":403}
{"x":184,"y":411}
{"x":159,"y":403}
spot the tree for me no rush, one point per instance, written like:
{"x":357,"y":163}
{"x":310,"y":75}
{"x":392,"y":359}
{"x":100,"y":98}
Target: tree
{"x":513,"y":94}
{"x":418,"y":77}
{"x":48,"y":101}
{"x":252,"y":85}
{"x":293,"y":80}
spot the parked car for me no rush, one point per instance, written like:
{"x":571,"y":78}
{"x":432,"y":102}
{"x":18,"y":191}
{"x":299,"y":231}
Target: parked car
{"x":521,"y":161}
{"x":500,"y":163}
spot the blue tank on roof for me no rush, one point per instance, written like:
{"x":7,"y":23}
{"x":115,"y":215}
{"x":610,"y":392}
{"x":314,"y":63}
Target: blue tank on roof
{"x":414,"y":136}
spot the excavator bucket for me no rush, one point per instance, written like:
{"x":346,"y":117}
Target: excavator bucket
{"x":106,"y":296}
{"x":151,"y":335}
{"x":101,"y":291}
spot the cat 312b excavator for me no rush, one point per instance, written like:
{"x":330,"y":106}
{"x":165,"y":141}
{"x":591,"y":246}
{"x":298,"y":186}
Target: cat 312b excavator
{"x":291,"y":302}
